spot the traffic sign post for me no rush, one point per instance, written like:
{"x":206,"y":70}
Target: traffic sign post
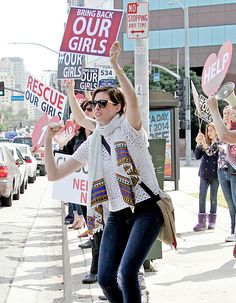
{"x":137,"y":20}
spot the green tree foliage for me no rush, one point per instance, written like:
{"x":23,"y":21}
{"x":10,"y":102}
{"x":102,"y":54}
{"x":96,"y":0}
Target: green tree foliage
{"x":11,"y":120}
{"x":167,"y":83}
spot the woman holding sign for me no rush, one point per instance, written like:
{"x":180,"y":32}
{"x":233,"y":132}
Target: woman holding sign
{"x":121,"y":173}
{"x":207,"y":150}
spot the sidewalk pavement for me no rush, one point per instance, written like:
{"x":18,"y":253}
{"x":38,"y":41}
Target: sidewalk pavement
{"x":202,"y":269}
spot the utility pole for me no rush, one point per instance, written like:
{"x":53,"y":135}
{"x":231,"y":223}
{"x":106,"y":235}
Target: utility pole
{"x":187,"y":90}
{"x":141,"y":73}
{"x":184,"y":6}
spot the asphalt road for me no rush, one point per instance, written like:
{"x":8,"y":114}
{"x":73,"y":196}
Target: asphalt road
{"x":15,"y":225}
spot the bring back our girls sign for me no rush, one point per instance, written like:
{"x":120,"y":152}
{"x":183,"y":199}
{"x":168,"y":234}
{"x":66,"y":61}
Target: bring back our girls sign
{"x":91,"y":31}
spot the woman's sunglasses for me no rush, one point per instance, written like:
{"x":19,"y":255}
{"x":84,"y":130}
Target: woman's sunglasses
{"x":88,"y":109}
{"x":101,"y":103}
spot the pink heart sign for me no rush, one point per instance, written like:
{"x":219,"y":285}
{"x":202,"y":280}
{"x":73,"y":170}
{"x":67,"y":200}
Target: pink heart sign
{"x":65,"y":134}
{"x":215,"y":69}
{"x":40,"y":131}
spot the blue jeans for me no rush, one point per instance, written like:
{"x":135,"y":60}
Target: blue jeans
{"x":77,"y":208}
{"x":126,"y":241}
{"x":204,"y":185}
{"x":228,"y":185}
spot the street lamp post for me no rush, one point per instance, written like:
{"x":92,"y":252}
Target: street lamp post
{"x":187,"y":83}
{"x":36,"y":44}
{"x":177,"y":59}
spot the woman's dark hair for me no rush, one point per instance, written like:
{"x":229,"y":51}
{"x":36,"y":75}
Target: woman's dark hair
{"x":114,"y":94}
{"x":84,"y":104}
{"x":208,"y":140}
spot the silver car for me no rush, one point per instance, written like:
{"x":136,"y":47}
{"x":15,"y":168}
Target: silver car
{"x":9,"y":177}
{"x":30,"y":160}
{"x":20,"y":162}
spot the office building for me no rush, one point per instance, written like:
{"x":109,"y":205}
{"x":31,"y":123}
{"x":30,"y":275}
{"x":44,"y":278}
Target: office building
{"x":211,"y":23}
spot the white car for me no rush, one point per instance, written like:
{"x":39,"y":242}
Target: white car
{"x":20,"y":162}
{"x":30,"y":161}
{"x":9,"y":177}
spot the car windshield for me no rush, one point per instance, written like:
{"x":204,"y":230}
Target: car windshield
{"x":23,"y":149}
{"x":27,"y":141}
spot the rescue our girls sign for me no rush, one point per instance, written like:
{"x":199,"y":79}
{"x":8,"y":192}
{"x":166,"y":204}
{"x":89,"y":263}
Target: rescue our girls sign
{"x":45,"y":98}
{"x":91,"y":31}
{"x":73,"y":188}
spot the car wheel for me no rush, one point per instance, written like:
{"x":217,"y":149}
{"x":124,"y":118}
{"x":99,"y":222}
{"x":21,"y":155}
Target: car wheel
{"x":6,"y":201}
{"x":31,"y":179}
{"x":22,"y":187}
{"x":17,"y":195}
{"x":42,"y":172}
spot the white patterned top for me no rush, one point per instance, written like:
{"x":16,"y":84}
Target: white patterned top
{"x":137,"y":146}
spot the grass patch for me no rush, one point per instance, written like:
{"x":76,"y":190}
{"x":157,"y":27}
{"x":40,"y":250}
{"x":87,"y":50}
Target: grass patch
{"x":221,"y":199}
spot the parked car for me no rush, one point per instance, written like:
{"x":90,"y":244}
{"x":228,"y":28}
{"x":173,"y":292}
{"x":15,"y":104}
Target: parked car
{"x":30,"y":160}
{"x":9,"y":177}
{"x":11,"y":134}
{"x":39,"y":153}
{"x":23,"y":140}
{"x":3,"y":139}
{"x":20,"y":162}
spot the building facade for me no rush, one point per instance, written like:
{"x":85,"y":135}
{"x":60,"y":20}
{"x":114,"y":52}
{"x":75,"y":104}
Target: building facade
{"x":211,"y":23}
{"x":12,"y":72}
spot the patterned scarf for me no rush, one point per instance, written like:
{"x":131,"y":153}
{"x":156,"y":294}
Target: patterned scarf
{"x":126,"y":173}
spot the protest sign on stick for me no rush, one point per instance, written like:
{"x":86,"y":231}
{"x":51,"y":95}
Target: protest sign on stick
{"x":91,"y":31}
{"x":215,"y":69}
{"x":45,"y":98}
{"x":73,"y":188}
{"x":204,"y":112}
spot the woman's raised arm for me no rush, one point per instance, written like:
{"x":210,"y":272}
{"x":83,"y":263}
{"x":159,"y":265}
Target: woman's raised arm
{"x":132,"y":110}
{"x":78,"y":113}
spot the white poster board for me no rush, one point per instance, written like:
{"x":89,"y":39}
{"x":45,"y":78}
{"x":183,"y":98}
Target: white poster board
{"x":73,"y":188}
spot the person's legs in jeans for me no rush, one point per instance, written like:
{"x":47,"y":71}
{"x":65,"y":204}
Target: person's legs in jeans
{"x":225,"y":184}
{"x":129,"y":256}
{"x":214,"y":185}
{"x":146,"y":226}
{"x":233,"y":191}
{"x":114,"y":239}
{"x":204,"y":184}
{"x":70,"y":216}
{"x":95,"y":251}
